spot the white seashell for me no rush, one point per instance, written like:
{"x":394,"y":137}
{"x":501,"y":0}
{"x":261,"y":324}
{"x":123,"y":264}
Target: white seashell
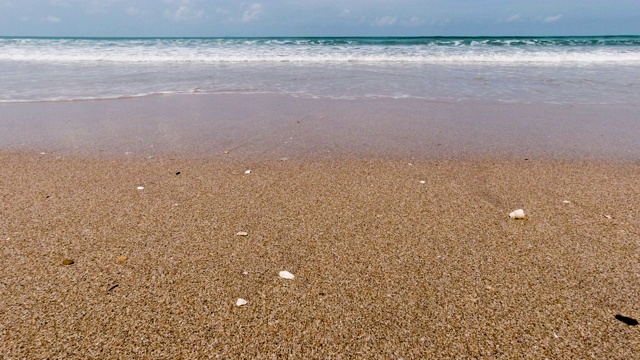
{"x":242,"y":233}
{"x":286,"y":275}
{"x":241,"y":302}
{"x":608,"y":217}
{"x":140,"y":188}
{"x":422,"y":182}
{"x":247,"y":172}
{"x":566,"y":201}
{"x":517,"y":214}
{"x":245,"y":273}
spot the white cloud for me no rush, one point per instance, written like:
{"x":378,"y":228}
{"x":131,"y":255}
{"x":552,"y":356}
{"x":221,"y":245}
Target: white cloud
{"x":552,"y":19}
{"x":439,"y":21}
{"x":414,"y":21}
{"x":345,"y":12}
{"x":183,"y":13}
{"x":386,"y":21}
{"x":253,"y":13}
{"x":514,"y":18}
{"x":53,"y":19}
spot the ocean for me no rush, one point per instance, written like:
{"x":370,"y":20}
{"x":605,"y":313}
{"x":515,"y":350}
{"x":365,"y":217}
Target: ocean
{"x":565,"y":70}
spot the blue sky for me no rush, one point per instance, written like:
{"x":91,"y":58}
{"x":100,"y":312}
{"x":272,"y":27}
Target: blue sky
{"x":317,"y":17}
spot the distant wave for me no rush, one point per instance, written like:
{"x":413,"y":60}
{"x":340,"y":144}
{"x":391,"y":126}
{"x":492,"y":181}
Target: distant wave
{"x":350,"y":41}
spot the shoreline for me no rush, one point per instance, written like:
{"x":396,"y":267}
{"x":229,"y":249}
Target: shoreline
{"x":267,"y":126}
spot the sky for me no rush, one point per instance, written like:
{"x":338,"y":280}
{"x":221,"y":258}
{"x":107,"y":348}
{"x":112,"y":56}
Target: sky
{"x":155,"y":18}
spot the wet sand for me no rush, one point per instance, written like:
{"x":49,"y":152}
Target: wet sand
{"x":270,"y":126}
{"x":385,"y":266}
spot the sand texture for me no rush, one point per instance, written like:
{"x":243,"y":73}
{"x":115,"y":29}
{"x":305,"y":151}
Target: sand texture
{"x":385,"y":266}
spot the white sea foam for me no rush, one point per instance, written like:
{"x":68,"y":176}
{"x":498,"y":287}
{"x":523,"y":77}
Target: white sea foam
{"x":307,"y":51}
{"x":308,"y":55}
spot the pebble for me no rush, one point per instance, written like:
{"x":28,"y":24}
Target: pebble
{"x":241,"y":302}
{"x":140,"y":188}
{"x":566,"y":202}
{"x":242,"y":233}
{"x":68,"y":262}
{"x":286,"y":275}
{"x":422,"y":182}
{"x":517,"y":214}
{"x":627,"y":320}
{"x":121,"y":259}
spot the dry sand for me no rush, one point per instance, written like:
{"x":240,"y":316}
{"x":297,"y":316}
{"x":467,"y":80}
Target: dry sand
{"x":385,"y":266}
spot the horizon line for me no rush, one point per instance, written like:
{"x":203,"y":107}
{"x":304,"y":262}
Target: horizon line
{"x":317,"y":36}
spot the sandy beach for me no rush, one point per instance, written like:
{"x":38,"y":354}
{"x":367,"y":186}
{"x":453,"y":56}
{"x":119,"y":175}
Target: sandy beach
{"x":393,"y":215}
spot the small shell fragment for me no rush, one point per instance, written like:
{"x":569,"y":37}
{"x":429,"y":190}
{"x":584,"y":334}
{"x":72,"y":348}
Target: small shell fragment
{"x":140,"y":188}
{"x":241,"y":302}
{"x":517,"y":214}
{"x":422,"y":182}
{"x":245,"y":273}
{"x":68,"y":262}
{"x":608,"y":217}
{"x":247,"y":172}
{"x":242,"y":233}
{"x":121,"y":259}
{"x":286,"y":275}
{"x":566,"y":201}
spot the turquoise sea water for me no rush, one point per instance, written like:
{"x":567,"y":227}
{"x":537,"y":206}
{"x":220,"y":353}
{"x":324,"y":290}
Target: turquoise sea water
{"x":598,"y":69}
